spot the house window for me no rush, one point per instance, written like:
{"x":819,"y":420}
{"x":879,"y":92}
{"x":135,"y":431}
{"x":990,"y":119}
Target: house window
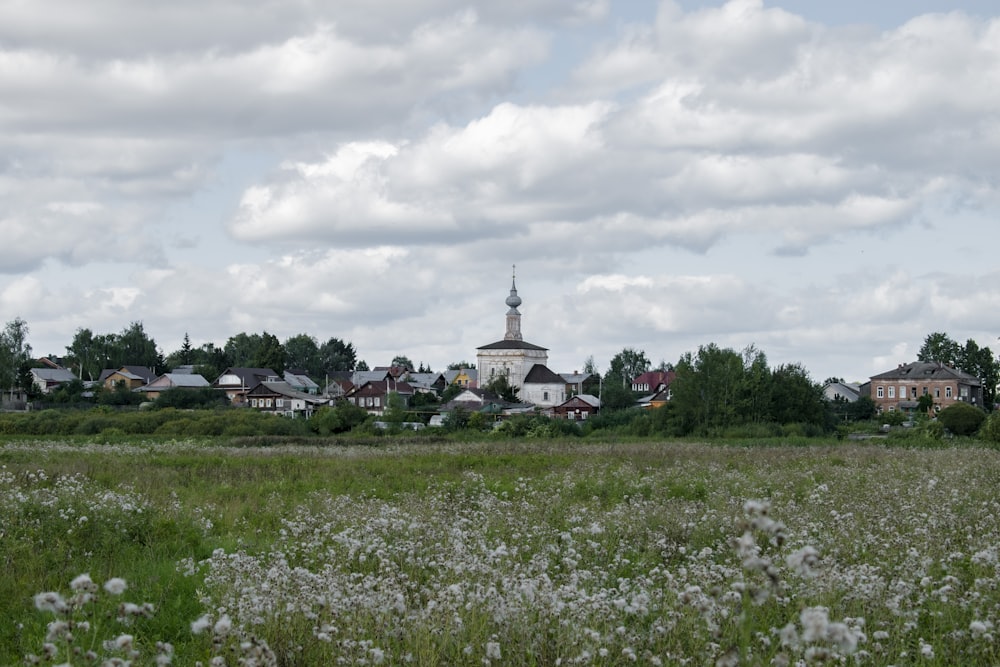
{"x":913,"y":392}
{"x":925,"y":391}
{"x":269,"y":404}
{"x":253,"y":402}
{"x":947,"y":391}
{"x":892,"y":392}
{"x":378,"y":401}
{"x":545,"y":395}
{"x":279,"y":402}
{"x":937,"y":392}
{"x":892,"y":408}
{"x":880,"y":392}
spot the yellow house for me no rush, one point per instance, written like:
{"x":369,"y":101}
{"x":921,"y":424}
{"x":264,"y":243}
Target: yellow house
{"x":133,"y":377}
{"x":465,"y":378}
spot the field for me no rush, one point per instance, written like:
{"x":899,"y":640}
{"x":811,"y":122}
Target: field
{"x":499,"y":553}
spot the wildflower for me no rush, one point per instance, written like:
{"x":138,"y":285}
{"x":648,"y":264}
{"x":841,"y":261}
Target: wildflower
{"x":926,"y":650}
{"x":50,"y":601}
{"x":803,"y":561}
{"x":58,"y":629}
{"x":814,"y":623}
{"x":223,"y":626}
{"x":115,"y":586}
{"x":842,"y":636}
{"x":202,"y":624}
{"x":789,"y":636}
{"x":730,"y":658}
{"x":83,"y":583}
{"x":980,"y":628}
{"x":493,"y":650}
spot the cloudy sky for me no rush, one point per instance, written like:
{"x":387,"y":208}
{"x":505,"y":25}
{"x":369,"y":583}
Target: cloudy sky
{"x":818,"y":179}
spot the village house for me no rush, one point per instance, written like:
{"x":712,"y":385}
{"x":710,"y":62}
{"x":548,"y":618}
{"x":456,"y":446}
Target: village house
{"x":47,"y":380}
{"x":172,"y":381}
{"x":373,"y":395}
{"x":578,"y":408}
{"x":901,"y":388}
{"x":282,"y":399}
{"x":237,"y":381}
{"x":132,"y":377}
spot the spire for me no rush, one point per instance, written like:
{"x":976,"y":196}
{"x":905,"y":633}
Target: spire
{"x":513,"y":316}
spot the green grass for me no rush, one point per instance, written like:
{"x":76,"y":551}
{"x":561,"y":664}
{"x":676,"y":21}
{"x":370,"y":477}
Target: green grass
{"x":546,"y":549}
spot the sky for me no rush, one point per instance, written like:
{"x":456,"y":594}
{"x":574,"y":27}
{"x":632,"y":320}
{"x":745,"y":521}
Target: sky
{"x":819,"y":180}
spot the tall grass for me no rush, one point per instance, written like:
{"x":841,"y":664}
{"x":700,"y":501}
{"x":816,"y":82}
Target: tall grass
{"x":532,"y":553}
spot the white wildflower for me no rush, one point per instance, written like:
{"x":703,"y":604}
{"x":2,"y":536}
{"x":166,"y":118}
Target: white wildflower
{"x":50,"y":601}
{"x":980,"y":628}
{"x":115,"y":586}
{"x":814,"y":623}
{"x":493,"y":650}
{"x":803,"y":561}
{"x":83,"y":583}
{"x":223,"y":626}
{"x":202,"y":624}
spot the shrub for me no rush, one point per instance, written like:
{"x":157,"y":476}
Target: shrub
{"x":962,"y":418}
{"x":990,"y":430}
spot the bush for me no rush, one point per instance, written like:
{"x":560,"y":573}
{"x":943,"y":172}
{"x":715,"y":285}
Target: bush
{"x":962,"y":418}
{"x":990,"y":430}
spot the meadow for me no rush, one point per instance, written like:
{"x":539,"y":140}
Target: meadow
{"x":502,"y":553}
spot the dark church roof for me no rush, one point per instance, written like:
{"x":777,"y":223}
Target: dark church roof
{"x":512,"y":345}
{"x":540,"y":374}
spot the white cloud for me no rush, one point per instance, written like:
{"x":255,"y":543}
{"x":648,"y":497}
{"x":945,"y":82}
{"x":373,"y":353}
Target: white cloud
{"x":735,"y":174}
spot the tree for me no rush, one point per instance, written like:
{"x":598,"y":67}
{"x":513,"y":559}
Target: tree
{"x":210,"y":361}
{"x":460,"y":365}
{"x":362,"y":365}
{"x":395,"y":411}
{"x":795,"y":398}
{"x":88,"y":353}
{"x":707,"y":391}
{"x":270,"y":354}
{"x":241,"y":349}
{"x":403,"y":361}
{"x":626,"y":366}
{"x":862,"y":409}
{"x":15,"y":352}
{"x":981,"y":363}
{"x":757,"y":390}
{"x":302,"y":352}
{"x":337,"y":355}
{"x":134,"y":347}
{"x":615,"y":396}
{"x":501,"y":386}
{"x":941,"y":348}
{"x":339,"y":419}
{"x":186,"y":354}
{"x":589,"y":366}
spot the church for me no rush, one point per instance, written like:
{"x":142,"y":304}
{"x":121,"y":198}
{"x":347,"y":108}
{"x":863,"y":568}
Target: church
{"x":523,"y":363}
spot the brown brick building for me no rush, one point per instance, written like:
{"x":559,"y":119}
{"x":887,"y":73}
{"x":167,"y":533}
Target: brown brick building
{"x":900,"y":389}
